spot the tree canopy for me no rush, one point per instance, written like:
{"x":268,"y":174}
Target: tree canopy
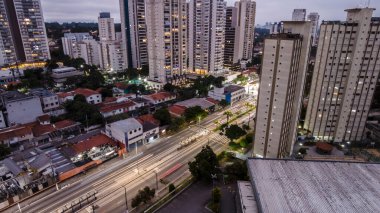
{"x":194,"y":113}
{"x":204,"y":165}
{"x":163,"y":116}
{"x":81,"y":111}
{"x":143,"y":196}
{"x":234,"y":132}
{"x":4,"y":151}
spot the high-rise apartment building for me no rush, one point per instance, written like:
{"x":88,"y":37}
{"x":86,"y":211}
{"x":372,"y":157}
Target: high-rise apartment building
{"x":229,"y":46}
{"x":23,"y":33}
{"x":106,"y":27}
{"x":167,"y":38}
{"x":299,"y":15}
{"x":346,"y":70}
{"x":245,"y":30}
{"x":314,"y":18}
{"x":207,"y":19}
{"x":134,"y":32}
{"x":285,"y":59}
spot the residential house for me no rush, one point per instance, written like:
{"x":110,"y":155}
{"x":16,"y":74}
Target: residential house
{"x":16,"y":135}
{"x":115,"y":108}
{"x":160,"y":97}
{"x":49,"y":100}
{"x":92,"y":97}
{"x":176,"y":110}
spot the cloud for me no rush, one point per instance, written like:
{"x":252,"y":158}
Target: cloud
{"x":267,"y":10}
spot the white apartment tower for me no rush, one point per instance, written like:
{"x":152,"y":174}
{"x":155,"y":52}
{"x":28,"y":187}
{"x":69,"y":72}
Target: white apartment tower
{"x":299,"y":15}
{"x":23,"y":33}
{"x":314,"y":18}
{"x":285,"y":60}
{"x":207,"y":20}
{"x":245,"y":30}
{"x":346,"y":71}
{"x":106,"y":27}
{"x":134,"y":32}
{"x":167,"y":39}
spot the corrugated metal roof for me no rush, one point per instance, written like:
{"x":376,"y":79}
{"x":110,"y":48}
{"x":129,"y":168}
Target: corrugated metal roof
{"x":12,"y":166}
{"x":315,"y":186}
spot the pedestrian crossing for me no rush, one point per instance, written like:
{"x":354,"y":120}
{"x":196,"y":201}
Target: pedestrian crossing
{"x":216,"y":137}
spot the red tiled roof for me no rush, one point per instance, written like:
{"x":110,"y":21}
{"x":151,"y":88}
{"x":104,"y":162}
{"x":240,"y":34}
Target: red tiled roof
{"x":212,"y":100}
{"x":109,"y":99}
{"x":39,"y":129}
{"x":85,"y":92}
{"x":121,"y":85}
{"x":160,"y":95}
{"x":17,"y":131}
{"x":64,"y":124}
{"x":148,"y":118}
{"x":65,"y":94}
{"x":177,"y":110}
{"x":114,"y":106}
{"x":94,"y":141}
{"x":43,"y":118}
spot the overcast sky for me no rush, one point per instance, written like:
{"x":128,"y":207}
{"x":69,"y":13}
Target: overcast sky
{"x":267,"y":10}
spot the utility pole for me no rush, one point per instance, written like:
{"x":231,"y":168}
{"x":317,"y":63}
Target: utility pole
{"x":126,"y":199}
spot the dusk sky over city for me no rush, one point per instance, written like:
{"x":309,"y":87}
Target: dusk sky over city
{"x":267,"y":11}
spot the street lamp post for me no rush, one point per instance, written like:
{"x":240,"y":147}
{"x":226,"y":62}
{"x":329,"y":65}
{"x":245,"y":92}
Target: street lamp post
{"x":126,"y":199}
{"x":155,"y":172}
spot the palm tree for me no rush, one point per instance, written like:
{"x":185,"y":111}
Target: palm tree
{"x":228,"y":114}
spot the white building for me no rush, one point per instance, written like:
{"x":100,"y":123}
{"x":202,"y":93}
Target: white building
{"x":20,"y":108}
{"x":207,"y":19}
{"x":49,"y":100}
{"x":314,"y":18}
{"x":167,"y":39}
{"x":345,"y":76}
{"x":69,"y":41}
{"x":231,"y":93}
{"x":299,"y":15}
{"x":134,"y":32}
{"x":285,"y":59}
{"x":132,"y":132}
{"x":92,"y":97}
{"x":106,"y":27}
{"x":23,"y":33}
{"x":244,"y":30}
{"x":60,"y":75}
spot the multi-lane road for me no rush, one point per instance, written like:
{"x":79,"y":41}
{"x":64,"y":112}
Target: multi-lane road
{"x":125,"y":177}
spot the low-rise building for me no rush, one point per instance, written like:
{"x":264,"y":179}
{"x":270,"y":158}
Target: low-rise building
{"x":231,"y":93}
{"x":20,"y":108}
{"x":204,"y":103}
{"x":160,"y":97}
{"x":284,"y":185}
{"x":60,"y":75}
{"x":132,"y":132}
{"x":49,"y":100}
{"x":16,"y":136}
{"x":115,"y":108}
{"x":92,"y":97}
{"x":176,"y":110}
{"x":98,"y":147}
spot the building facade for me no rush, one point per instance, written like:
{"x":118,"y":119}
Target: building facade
{"x":285,"y":60}
{"x":23,"y":30}
{"x":134,"y":31}
{"x":245,"y":30}
{"x":106,"y":27}
{"x":345,"y":75}
{"x":207,"y":20}
{"x":299,"y":15}
{"x":230,"y":28}
{"x":167,"y":39}
{"x":314,"y":18}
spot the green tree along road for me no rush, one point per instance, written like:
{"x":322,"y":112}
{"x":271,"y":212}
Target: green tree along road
{"x":163,"y":116}
{"x":204,"y":165}
{"x":143,"y":196}
{"x":194,"y":114}
{"x":234,"y":132}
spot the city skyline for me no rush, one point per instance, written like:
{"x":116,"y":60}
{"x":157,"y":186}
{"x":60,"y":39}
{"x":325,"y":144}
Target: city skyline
{"x":275,"y":10}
